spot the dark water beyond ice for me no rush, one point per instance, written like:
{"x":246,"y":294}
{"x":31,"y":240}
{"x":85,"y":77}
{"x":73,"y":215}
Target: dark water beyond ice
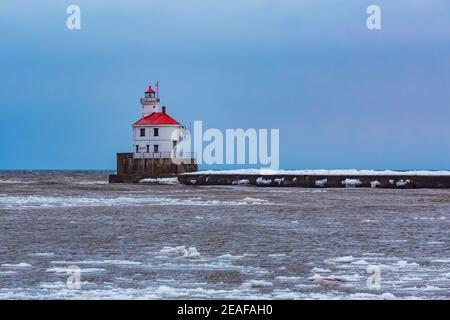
{"x":239,"y":241}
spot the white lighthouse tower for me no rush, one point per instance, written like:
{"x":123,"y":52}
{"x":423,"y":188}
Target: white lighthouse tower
{"x":156,"y":134}
{"x":150,"y":102}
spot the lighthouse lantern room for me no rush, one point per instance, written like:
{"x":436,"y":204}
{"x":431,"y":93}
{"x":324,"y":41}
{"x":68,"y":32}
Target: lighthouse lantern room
{"x":150,"y":102}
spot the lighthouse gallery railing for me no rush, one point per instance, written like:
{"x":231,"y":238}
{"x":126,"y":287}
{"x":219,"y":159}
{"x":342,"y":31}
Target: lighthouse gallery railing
{"x":165,"y":155}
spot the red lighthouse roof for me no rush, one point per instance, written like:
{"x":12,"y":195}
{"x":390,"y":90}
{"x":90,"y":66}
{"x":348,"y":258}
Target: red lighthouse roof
{"x":150,"y":90}
{"x":157,"y":118}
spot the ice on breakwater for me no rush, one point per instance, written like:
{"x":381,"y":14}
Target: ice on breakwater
{"x":262,"y":181}
{"x":160,"y":180}
{"x":321,"y":178}
{"x":241,"y":182}
{"x":351,"y":182}
{"x":325,"y":172}
{"x":321,"y":183}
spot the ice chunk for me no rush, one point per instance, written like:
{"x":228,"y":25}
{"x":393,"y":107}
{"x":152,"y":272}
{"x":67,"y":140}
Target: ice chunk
{"x":180,"y":250}
{"x":346,"y":259}
{"x":192,"y":253}
{"x":229,"y":256}
{"x":160,"y":180}
{"x":17,"y":265}
{"x":279,"y":180}
{"x":360,"y":262}
{"x":318,"y":279}
{"x":241,"y":182}
{"x":262,"y":181}
{"x":42,"y":254}
{"x":7,"y":272}
{"x":351,"y":182}
{"x":290,"y":278}
{"x":321,"y":183}
{"x":441,"y":261}
{"x":250,"y":200}
{"x":350,"y":278}
{"x":256,"y":284}
{"x":374,"y":184}
{"x":320,"y":270}
{"x":403,"y":263}
{"x":402,"y":183}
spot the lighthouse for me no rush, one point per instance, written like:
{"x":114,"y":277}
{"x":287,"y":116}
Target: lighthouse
{"x":156,"y":134}
{"x":150,"y":102}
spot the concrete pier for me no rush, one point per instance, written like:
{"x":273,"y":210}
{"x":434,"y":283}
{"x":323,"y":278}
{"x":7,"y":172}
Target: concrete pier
{"x":132,"y":170}
{"x":318,"y":181}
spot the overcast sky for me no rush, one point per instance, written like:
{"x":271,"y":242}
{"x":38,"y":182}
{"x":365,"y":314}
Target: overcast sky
{"x":341,"y":95}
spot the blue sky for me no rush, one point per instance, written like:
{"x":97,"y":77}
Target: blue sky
{"x":341,"y":95}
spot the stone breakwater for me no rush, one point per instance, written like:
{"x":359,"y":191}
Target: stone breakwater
{"x":318,"y":181}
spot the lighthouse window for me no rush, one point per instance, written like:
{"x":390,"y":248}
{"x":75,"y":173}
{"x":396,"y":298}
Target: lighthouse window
{"x":156,"y":132}
{"x":142,"y":132}
{"x":137,"y":148}
{"x":155,"y":148}
{"x":148,"y":148}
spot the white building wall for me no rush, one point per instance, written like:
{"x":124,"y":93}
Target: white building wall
{"x":149,"y":107}
{"x":149,"y":103}
{"x":163,"y":140}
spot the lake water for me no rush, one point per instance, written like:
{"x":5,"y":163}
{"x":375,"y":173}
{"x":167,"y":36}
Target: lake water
{"x":203,"y":242}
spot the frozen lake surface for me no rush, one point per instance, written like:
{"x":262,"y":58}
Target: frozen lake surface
{"x":218,"y":242}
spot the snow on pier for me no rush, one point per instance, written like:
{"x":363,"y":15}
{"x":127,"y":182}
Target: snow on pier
{"x":320,"y":178}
